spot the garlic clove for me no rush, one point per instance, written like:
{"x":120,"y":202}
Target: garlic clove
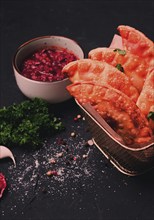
{"x":5,"y":152}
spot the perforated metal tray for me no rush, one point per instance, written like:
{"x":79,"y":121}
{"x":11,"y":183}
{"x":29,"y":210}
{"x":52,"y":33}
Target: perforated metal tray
{"x":131,"y":160}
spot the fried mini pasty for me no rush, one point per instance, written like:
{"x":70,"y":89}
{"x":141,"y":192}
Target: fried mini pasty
{"x":133,"y":66}
{"x":146,"y":98}
{"x":100,"y":72}
{"x":137,"y":43}
{"x":116,"y":108}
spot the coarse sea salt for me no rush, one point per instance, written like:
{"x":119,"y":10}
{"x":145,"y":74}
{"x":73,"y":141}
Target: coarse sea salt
{"x":29,"y":179}
{"x":31,"y":169}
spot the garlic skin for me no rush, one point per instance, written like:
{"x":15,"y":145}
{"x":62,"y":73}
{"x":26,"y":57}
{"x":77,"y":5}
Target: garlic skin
{"x":5,"y":152}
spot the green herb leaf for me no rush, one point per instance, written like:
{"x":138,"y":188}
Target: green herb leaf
{"x":121,"y":52}
{"x":27,"y":123}
{"x":150,"y":116}
{"x":120,"y":67}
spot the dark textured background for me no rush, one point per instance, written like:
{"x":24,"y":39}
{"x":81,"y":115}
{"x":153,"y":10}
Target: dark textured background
{"x":105,"y":196}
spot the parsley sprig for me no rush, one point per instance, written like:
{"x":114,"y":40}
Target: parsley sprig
{"x":120,"y":67}
{"x":27,"y":123}
{"x":121,"y":52}
{"x":150,"y":115}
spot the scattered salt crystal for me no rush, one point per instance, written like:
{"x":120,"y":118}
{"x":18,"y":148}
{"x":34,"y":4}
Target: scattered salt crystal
{"x":61,"y":171}
{"x":36,"y":164}
{"x":24,"y":178}
{"x":52,"y":161}
{"x":59,"y":154}
{"x":86,"y":171}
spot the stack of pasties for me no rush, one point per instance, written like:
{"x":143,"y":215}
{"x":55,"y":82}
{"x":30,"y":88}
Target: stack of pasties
{"x":119,"y":83}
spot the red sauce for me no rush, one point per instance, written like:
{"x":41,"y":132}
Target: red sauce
{"x":46,"y":65}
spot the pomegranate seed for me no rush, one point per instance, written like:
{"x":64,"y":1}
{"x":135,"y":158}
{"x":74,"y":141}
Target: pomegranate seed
{"x":52,"y":173}
{"x":75,"y":119}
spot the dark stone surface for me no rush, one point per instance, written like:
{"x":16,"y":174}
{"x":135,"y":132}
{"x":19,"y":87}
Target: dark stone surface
{"x":90,"y":189}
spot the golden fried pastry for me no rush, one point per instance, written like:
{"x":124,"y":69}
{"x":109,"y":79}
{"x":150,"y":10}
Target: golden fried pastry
{"x":116,"y":108}
{"x":133,"y":66}
{"x":100,"y":72}
{"x":137,"y":43}
{"x":146,"y":99}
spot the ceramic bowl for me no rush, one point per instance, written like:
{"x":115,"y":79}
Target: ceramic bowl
{"x":53,"y":92}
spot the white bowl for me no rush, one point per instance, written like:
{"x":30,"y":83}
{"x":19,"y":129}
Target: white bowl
{"x":53,"y":92}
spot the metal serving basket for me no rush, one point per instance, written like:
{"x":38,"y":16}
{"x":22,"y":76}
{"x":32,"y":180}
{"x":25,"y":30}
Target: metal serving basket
{"x":130,"y":160}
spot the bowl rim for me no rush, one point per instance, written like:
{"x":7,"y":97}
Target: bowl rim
{"x":35,"y":39}
{"x":42,"y":82}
